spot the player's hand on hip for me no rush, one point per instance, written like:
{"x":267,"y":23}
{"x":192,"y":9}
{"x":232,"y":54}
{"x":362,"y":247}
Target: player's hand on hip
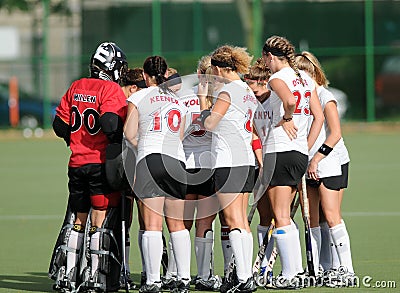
{"x":289,"y":127}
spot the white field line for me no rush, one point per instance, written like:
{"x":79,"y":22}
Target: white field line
{"x":58,"y":217}
{"x":30,"y":217}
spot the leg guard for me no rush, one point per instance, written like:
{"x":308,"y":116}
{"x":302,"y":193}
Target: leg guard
{"x":66,"y":254}
{"x":107,"y":253}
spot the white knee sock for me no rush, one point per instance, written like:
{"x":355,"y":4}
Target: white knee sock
{"x":297,"y":247}
{"x":152,"y":246}
{"x":316,"y":246}
{"x":94,"y":245}
{"x":171,"y":270}
{"x":288,"y":244}
{"x":75,"y":242}
{"x":226,"y":247}
{"x":140,"y":238}
{"x":238,"y":239}
{"x":325,"y":254}
{"x":203,"y":250}
{"x":181,"y":245}
{"x":248,"y":249}
{"x":342,"y":243}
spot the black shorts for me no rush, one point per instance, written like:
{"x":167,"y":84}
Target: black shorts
{"x":234,"y":179}
{"x":284,"y":169}
{"x":333,"y":182}
{"x":160,"y":175}
{"x":84,"y":182}
{"x":200,"y":181}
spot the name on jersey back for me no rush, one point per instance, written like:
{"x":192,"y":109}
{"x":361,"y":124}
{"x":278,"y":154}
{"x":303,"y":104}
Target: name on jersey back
{"x":84,"y":98}
{"x":156,"y":99}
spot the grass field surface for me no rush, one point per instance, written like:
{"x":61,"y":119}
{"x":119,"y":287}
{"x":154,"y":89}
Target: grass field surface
{"x":34,"y":193}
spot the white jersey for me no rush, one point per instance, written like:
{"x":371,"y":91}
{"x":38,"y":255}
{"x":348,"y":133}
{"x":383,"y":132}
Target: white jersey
{"x":277,"y":140}
{"x":262,"y":121}
{"x":160,"y":117}
{"x":197,"y":142}
{"x":330,"y":165}
{"x":232,"y":137}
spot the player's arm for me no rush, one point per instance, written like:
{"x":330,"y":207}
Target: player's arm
{"x":62,"y":129}
{"x":131,"y":124}
{"x":257,"y":149}
{"x":318,"y":121}
{"x":332,"y":118}
{"x":210,"y":119}
{"x":112,"y":126}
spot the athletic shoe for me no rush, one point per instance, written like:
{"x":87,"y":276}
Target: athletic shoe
{"x":297,"y":282}
{"x":181,"y":286}
{"x":247,"y":287}
{"x":212,"y":284}
{"x":168,"y":283}
{"x":338,"y":278}
{"x":150,"y":288}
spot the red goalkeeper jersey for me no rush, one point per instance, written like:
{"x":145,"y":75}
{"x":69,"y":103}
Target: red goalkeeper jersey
{"x":81,"y":107}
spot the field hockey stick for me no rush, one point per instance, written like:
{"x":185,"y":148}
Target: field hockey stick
{"x":274,"y":253}
{"x":261,"y":252}
{"x":259,"y":192}
{"x":124,"y":270}
{"x":262,"y":249}
{"x":307,"y":229}
{"x":164,"y":258}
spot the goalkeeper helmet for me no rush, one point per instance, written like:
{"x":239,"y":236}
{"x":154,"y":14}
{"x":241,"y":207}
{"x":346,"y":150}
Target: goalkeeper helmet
{"x":108,"y":62}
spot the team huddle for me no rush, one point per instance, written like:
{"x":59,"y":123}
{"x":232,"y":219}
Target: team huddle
{"x":189,"y":148}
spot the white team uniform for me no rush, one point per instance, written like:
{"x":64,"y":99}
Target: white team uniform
{"x":261,"y":121}
{"x":231,"y":138}
{"x":330,"y":165}
{"x":160,"y":115}
{"x":277,"y":140}
{"x":197,"y":144}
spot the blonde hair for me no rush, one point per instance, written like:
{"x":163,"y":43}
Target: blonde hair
{"x":283,"y":50}
{"x":171,"y":71}
{"x":309,"y":63}
{"x":234,"y":58}
{"x":203,"y":64}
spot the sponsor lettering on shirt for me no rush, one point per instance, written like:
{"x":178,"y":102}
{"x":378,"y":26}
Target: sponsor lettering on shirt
{"x":156,"y":99}
{"x":85,"y":98}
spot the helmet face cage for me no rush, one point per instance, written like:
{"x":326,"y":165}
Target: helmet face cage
{"x":108,"y":62}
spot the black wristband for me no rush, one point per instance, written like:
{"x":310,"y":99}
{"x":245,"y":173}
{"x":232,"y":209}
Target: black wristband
{"x":324,"y":149}
{"x":203,"y":115}
{"x":287,"y":119}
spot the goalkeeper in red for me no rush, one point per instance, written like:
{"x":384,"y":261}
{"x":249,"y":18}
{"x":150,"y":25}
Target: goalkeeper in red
{"x":89,"y":117}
